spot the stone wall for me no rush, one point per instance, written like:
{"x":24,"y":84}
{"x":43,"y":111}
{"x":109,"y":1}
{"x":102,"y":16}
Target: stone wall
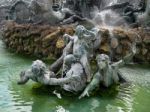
{"x":47,"y":42}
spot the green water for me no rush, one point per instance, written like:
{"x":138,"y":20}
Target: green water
{"x":131,"y":97}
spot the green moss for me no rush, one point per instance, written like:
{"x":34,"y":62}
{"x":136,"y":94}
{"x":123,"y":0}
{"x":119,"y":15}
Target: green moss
{"x":108,"y":92}
{"x":39,"y":89}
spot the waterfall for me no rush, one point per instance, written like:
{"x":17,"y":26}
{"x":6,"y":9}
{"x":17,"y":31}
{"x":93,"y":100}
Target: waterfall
{"x":108,"y":18}
{"x":105,"y":3}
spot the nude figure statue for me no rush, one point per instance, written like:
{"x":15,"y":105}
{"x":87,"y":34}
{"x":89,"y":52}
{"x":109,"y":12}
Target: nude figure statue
{"x":83,"y":47}
{"x":74,"y":68}
{"x":107,"y":73}
{"x":39,"y":73}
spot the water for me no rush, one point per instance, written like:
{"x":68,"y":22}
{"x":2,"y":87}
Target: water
{"x":131,"y":97}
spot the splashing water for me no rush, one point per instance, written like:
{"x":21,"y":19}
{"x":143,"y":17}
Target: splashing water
{"x":61,"y":109}
{"x":108,"y":18}
{"x":112,"y":2}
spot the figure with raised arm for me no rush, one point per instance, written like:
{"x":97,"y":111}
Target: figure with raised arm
{"x":83,"y":47}
{"x":107,"y":73}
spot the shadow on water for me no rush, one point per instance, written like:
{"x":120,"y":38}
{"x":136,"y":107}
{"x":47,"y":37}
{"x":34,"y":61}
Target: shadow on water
{"x":32,"y":97}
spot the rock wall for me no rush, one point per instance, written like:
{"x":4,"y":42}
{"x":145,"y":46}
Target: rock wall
{"x":117,"y":43}
{"x":47,"y":42}
{"x":40,"y":41}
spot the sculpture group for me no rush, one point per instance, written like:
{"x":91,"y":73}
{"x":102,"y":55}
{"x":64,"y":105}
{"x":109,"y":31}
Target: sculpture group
{"x":71,"y":11}
{"x":74,"y":66}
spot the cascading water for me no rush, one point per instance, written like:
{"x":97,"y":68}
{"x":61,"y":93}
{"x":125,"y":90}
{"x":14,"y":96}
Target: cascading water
{"x":112,"y":2}
{"x":108,"y":18}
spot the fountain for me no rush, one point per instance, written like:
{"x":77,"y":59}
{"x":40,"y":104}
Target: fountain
{"x":87,"y":58}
